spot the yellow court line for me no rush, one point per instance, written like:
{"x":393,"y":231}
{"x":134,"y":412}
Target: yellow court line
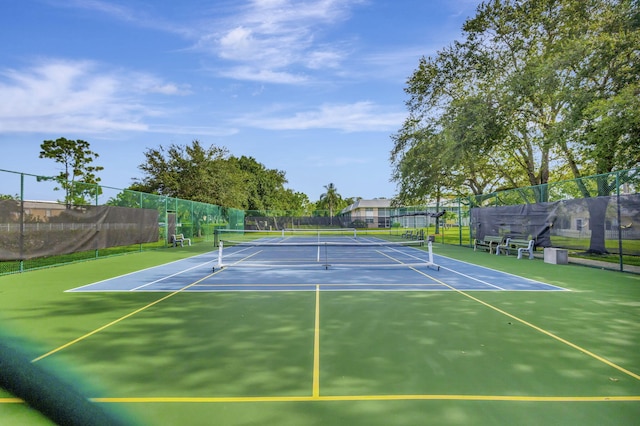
{"x":515,"y":398}
{"x":97,"y":330}
{"x":535,"y":327}
{"x":11,"y":401}
{"x":316,"y":347}
{"x":353,"y":398}
{"x":83,"y":337}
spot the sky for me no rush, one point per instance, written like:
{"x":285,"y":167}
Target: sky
{"x":314,"y":88}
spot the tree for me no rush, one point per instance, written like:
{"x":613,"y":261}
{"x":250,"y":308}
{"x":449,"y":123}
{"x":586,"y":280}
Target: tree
{"x":330,"y":199}
{"x":211,"y":175}
{"x":192,"y":172}
{"x":77,"y":178}
{"x":264,"y":187}
{"x":295,"y":203}
{"x":536,"y":87}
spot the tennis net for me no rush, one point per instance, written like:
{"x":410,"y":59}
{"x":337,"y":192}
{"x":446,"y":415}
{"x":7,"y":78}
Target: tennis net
{"x":318,"y":248}
{"x":242,"y":235}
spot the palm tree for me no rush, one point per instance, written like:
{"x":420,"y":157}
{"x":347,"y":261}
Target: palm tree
{"x":331,"y":198}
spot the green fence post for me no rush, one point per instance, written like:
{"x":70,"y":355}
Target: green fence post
{"x":97,"y":204}
{"x":459,"y":222}
{"x":619,"y":222}
{"x":21,"y":268}
{"x":141,"y":206}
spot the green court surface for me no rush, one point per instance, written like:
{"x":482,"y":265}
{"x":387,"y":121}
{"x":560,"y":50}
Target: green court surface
{"x":334,"y":357}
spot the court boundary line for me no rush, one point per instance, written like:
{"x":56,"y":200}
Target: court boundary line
{"x":240,"y":285}
{"x":354,"y":398}
{"x":170,"y":276}
{"x":135,"y":272}
{"x":316,"y":348}
{"x":497,"y":270}
{"x":493,"y":270}
{"x":122,"y":318}
{"x":424,"y":397}
{"x":540,"y":329}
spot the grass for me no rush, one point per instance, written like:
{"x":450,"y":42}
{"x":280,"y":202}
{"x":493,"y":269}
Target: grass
{"x":609,"y":258}
{"x":376,"y":348}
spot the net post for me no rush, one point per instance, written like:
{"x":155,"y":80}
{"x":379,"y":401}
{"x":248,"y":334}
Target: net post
{"x":355,"y":233}
{"x":215,"y":237}
{"x":430,"y":249}
{"x":219,"y":265}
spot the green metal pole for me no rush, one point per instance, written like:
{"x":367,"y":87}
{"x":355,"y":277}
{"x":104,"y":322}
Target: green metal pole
{"x":459,"y":221}
{"x":619,"y":220}
{"x":21,"y":222}
{"x":141,"y":207}
{"x":97,"y":253}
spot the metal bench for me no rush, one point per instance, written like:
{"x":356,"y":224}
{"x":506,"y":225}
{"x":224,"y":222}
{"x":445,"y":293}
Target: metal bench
{"x":521,"y":246}
{"x":488,"y":242}
{"x":179,"y":239}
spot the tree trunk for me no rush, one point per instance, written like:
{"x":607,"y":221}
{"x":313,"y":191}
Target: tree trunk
{"x":597,"y":213}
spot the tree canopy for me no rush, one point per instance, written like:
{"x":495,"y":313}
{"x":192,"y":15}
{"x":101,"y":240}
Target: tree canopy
{"x":212,"y":175}
{"x":77,"y":178}
{"x":535,"y":89}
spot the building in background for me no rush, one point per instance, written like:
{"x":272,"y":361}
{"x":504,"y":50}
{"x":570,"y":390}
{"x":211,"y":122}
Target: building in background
{"x":368,"y":214}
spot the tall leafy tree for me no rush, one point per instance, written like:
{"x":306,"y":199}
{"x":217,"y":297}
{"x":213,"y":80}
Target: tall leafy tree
{"x":533,"y":84}
{"x":193,"y":172}
{"x":78,"y":176}
{"x":264,"y":187}
{"x":330,"y":198}
{"x":212,"y":175}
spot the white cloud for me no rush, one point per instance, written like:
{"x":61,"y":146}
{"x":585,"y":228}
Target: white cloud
{"x":263,"y":75}
{"x":324,"y":59}
{"x":58,"y":96}
{"x":356,"y":117}
{"x":103,"y":7}
{"x":271,"y":37}
{"x":237,"y":44}
{"x":277,"y":40}
{"x":137,"y":16}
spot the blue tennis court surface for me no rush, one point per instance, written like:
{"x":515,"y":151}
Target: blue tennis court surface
{"x":343,"y":272}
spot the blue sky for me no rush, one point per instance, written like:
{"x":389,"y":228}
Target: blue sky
{"x":314,"y":88}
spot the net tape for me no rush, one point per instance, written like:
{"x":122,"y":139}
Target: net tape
{"x":372,"y":254}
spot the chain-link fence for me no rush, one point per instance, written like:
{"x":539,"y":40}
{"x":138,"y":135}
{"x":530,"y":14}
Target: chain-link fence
{"x":597,"y":215}
{"x":44,"y":222}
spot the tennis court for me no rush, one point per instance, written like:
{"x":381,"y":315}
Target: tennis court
{"x":279,"y":330}
{"x":307,"y":263}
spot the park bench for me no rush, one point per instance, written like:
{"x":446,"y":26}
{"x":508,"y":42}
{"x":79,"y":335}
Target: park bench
{"x":179,"y":239}
{"x":487,"y":242}
{"x":521,"y":246}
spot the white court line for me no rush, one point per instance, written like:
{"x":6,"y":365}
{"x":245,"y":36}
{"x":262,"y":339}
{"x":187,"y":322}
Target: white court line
{"x":502,"y":272}
{"x":135,"y":272}
{"x":483,"y":267}
{"x":170,"y":276}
